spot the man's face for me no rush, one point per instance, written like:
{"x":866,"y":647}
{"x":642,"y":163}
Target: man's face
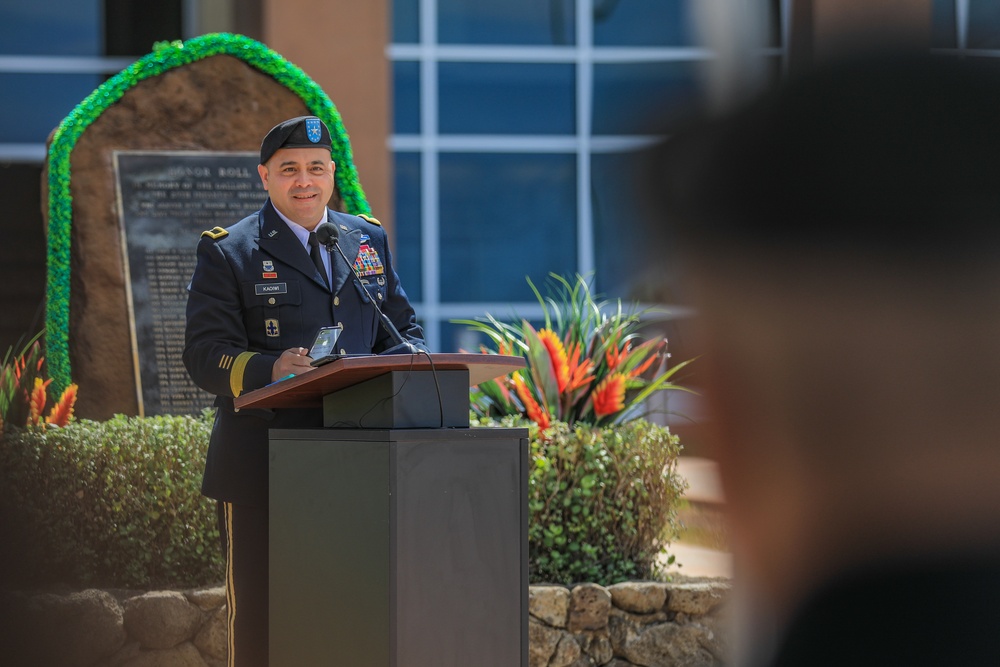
{"x":300,"y":183}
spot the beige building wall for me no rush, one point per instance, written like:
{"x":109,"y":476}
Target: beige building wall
{"x":341,"y":45}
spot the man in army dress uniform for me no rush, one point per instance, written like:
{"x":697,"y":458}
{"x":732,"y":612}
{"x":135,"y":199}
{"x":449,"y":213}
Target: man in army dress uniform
{"x":261,"y":290}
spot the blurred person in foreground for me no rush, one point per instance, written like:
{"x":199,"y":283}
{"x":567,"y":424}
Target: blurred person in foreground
{"x":839,"y":237}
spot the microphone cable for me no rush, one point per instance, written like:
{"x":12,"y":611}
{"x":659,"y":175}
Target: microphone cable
{"x":328,"y":234}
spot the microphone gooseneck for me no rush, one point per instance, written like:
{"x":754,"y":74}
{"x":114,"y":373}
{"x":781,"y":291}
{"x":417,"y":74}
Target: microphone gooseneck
{"x":328,"y":234}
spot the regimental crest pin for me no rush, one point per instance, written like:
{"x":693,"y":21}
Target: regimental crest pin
{"x":268,"y":265}
{"x":271,"y":328}
{"x":313,"y":131}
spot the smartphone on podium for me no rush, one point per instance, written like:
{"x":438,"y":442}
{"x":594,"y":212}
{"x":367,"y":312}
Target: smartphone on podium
{"x":324,"y":348}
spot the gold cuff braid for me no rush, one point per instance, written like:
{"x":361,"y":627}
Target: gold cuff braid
{"x":236,"y":375}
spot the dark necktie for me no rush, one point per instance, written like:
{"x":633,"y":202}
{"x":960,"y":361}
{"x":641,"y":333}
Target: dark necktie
{"x":317,"y":258}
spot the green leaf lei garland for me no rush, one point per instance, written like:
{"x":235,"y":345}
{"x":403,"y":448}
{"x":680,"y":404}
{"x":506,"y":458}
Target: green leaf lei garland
{"x":165,"y":56}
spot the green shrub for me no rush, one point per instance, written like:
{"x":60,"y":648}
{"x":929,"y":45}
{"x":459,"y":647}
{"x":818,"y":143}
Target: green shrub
{"x":602,"y":501}
{"x":114,"y":504}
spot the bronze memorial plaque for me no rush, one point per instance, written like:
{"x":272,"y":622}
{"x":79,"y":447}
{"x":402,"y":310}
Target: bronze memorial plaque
{"x":166,"y":199}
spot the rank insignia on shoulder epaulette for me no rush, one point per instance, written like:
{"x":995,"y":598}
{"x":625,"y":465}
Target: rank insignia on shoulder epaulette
{"x":215,"y":233}
{"x":370,"y":219}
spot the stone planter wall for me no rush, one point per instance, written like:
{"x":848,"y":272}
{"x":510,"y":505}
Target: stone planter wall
{"x":644,"y":624}
{"x":641,"y":624}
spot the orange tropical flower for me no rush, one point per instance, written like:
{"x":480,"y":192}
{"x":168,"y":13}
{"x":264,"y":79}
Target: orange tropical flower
{"x":62,"y":411}
{"x":580,"y":372}
{"x":613,"y":355}
{"x":609,"y":395}
{"x":531,"y":406}
{"x":37,"y":400}
{"x":641,"y":368}
{"x":557,"y":353}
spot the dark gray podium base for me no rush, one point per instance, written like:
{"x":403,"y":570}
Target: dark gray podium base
{"x":399,"y":548}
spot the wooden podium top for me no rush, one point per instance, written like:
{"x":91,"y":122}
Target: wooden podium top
{"x":308,"y":389}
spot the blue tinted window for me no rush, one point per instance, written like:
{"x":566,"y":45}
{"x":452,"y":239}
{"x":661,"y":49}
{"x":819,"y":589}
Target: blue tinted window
{"x":643,"y":23}
{"x":504,"y":217}
{"x":406,"y":97}
{"x":486,"y":98}
{"x":54,"y":27}
{"x":34,"y":104}
{"x":984,"y":24}
{"x":631,"y":98}
{"x":407,"y":205}
{"x":943,"y":33}
{"x":405,"y":21}
{"x":620,"y":252}
{"x":506,"y":22}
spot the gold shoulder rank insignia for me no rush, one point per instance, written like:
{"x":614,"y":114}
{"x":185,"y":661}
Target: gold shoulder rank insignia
{"x":370,"y":219}
{"x":216,"y":233}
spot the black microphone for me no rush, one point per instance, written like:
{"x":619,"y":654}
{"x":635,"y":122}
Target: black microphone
{"x":328,"y":234}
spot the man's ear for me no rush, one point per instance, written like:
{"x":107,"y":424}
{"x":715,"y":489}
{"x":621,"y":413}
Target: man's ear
{"x":262,"y":172}
{"x":333,"y":166}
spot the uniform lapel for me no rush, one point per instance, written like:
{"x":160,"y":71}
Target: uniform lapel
{"x":280,"y":242}
{"x":350,"y":243}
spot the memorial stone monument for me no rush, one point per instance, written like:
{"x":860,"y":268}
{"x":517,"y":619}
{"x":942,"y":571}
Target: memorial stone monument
{"x":216,"y":106}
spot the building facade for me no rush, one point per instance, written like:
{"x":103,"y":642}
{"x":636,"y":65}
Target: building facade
{"x":496,"y":138}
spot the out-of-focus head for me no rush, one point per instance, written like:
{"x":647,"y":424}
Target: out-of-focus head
{"x":892,"y":158}
{"x":840,"y":239}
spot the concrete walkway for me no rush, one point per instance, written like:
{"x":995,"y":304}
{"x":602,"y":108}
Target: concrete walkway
{"x":703,"y":487}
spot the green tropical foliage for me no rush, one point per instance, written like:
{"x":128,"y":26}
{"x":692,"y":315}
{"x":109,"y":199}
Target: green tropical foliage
{"x":589,"y":362}
{"x":24,"y":400}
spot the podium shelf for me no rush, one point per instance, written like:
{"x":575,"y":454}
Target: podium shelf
{"x":308,"y":389}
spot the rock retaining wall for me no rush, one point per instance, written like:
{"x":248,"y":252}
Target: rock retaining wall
{"x":640,"y":624}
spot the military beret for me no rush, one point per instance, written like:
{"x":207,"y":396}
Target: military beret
{"x":301,"y":132}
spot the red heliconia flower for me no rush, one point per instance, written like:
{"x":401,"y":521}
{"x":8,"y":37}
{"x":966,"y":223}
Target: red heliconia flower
{"x":37,"y":400}
{"x":579,"y":371}
{"x":654,"y":355}
{"x":609,"y":395}
{"x":531,"y":406}
{"x":557,"y":353}
{"x":62,"y":411}
{"x":613,"y":355}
